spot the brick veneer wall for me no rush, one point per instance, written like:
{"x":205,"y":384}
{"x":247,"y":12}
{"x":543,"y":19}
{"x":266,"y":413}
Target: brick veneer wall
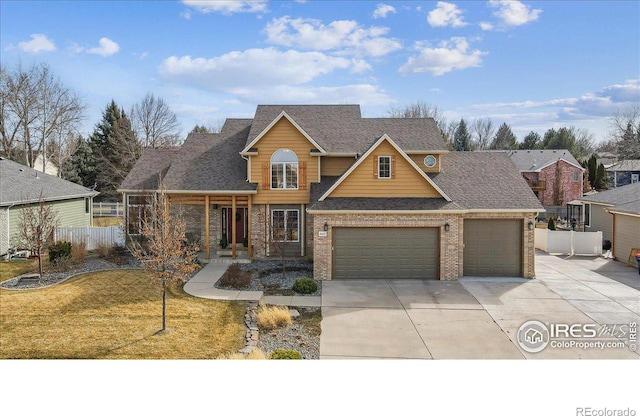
{"x":569,"y":189}
{"x":451,"y":242}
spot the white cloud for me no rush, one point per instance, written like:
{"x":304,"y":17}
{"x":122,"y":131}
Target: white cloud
{"x":451,"y":55}
{"x":513,"y":12}
{"x":226,"y":6}
{"x":343,"y":36}
{"x":383,"y":10}
{"x":38,"y":43}
{"x":364,"y":94}
{"x":106,"y":47}
{"x":446,"y":14}
{"x":486,"y":26}
{"x":251,"y":68}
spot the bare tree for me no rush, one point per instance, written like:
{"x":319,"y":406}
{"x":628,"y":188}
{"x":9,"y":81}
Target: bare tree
{"x":420,"y":109}
{"x":484,"y":130}
{"x":164,"y":250}
{"x":625,"y":130}
{"x":154,"y":123}
{"x":35,"y":108}
{"x":35,"y":226}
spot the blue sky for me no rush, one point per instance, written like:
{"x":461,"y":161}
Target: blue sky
{"x":534,"y":65}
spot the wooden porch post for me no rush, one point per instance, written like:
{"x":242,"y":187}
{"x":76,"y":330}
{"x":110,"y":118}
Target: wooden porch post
{"x":207,"y":249}
{"x":233,"y":227}
{"x":249,"y":246}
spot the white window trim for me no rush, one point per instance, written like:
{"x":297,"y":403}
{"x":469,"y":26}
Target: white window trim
{"x":390,"y":167}
{"x":87,"y":204}
{"x":283,"y":166}
{"x":576,"y":177}
{"x":435,"y":161}
{"x":285,"y":224}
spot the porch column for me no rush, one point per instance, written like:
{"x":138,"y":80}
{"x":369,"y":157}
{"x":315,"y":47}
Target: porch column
{"x":207,"y":250}
{"x":233,"y":227}
{"x":250,"y":245}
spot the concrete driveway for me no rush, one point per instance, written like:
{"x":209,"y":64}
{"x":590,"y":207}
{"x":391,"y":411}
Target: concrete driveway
{"x":472,"y":317}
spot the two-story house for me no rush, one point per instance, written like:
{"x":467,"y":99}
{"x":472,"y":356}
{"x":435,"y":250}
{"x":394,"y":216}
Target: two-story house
{"x":555,"y":176}
{"x":362,"y":197}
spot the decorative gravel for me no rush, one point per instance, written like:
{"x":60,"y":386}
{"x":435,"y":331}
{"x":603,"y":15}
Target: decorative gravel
{"x":266,"y":276}
{"x":48,"y":279}
{"x":298,"y":336}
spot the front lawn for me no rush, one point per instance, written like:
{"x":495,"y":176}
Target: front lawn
{"x":11,"y":269}
{"x":115,"y":314}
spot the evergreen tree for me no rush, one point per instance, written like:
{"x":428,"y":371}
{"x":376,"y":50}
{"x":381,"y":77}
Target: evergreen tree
{"x":559,"y":139}
{"x":115,"y":149}
{"x":80,"y":167}
{"x":601,"y":178}
{"x":531,"y":141}
{"x":504,"y":139}
{"x":629,"y":144}
{"x":592,"y":169}
{"x":462,"y":137}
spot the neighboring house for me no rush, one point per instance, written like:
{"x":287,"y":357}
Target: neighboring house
{"x":21,"y":186}
{"x":50,"y":168}
{"x":612,"y":212}
{"x":362,"y":197}
{"x":555,"y":176}
{"x":623,"y":173}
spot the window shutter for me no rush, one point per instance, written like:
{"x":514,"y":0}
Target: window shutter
{"x":302,"y":176}
{"x":375,"y":167}
{"x":393,"y":167}
{"x":266,"y":178}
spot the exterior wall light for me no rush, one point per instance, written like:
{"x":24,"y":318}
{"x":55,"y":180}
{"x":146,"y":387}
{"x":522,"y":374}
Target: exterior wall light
{"x":446,"y":226}
{"x":530,"y":225}
{"x":326,"y":226}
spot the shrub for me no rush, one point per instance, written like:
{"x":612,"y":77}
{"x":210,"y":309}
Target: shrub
{"x":285,"y":355}
{"x":272,"y":317}
{"x":305,"y":285}
{"x":105,"y":251}
{"x":551,"y":225}
{"x":255,"y":354}
{"x":79,"y":253}
{"x":235,"y":278}
{"x":59,"y":250}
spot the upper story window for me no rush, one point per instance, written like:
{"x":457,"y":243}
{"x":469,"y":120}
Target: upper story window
{"x":576,"y":176}
{"x":384,"y":167}
{"x":284,"y":169}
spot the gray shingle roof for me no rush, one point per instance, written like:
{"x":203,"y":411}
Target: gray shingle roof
{"x":532,"y":160}
{"x":630,"y":207}
{"x":211,"y":161}
{"x":144,"y":174}
{"x":616,"y":196}
{"x":473,"y":180}
{"x":341,"y":128}
{"x":625,"y":166}
{"x":20,"y":184}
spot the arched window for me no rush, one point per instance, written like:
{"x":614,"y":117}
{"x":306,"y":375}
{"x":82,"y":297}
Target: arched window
{"x":284,"y":169}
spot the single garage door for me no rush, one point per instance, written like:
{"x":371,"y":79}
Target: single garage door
{"x":385,"y":253}
{"x":493,"y":248}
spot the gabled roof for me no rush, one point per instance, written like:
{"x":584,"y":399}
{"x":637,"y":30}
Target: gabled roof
{"x":340,"y":129}
{"x":20,"y":184}
{"x":625,"y":166}
{"x":536,"y":160}
{"x":152,"y":165}
{"x":282,"y":115}
{"x":632,"y":208}
{"x":368,"y":152}
{"x":616,"y":196}
{"x":209,"y":162}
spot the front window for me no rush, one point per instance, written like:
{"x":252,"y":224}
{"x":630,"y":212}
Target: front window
{"x":285,"y":226}
{"x":576,"y":176}
{"x":137,"y":211}
{"x":635,"y":177}
{"x":384,"y":167}
{"x":284,"y":170}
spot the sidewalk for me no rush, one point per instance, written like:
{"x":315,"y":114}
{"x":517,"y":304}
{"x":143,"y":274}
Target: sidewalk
{"x":202,"y":286}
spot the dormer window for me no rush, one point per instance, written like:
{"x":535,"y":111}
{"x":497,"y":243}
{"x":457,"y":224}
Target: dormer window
{"x":384,"y":167}
{"x":284,"y":169}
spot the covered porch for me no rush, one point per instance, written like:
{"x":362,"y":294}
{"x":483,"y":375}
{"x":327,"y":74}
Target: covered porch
{"x":214,"y":218}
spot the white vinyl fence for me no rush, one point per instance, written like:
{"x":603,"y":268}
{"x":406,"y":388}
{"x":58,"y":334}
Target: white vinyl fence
{"x":92,"y":236}
{"x":108,"y":209}
{"x":569,"y":242}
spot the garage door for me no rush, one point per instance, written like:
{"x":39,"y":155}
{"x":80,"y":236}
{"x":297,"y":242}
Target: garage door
{"x":493,"y":248}
{"x":385,"y":253}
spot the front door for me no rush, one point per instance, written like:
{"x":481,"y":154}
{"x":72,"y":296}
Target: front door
{"x":240,"y":220}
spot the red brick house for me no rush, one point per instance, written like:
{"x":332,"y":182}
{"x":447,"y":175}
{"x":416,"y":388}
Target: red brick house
{"x":555,"y":176}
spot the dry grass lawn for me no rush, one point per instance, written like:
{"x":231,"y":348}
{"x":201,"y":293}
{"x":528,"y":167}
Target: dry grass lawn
{"x":11,"y":269}
{"x":115,"y":315}
{"x":107,"y":221}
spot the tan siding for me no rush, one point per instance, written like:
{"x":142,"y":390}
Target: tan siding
{"x":419,"y":160}
{"x":601,"y":220}
{"x":627,"y":236}
{"x":283,"y":135}
{"x":336,"y":166}
{"x":406,"y":183}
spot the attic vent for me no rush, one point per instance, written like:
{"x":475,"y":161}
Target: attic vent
{"x":535,"y":164}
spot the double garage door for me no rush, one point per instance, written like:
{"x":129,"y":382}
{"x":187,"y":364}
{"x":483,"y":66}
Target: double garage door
{"x":386,"y":253}
{"x":491,"y":248}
